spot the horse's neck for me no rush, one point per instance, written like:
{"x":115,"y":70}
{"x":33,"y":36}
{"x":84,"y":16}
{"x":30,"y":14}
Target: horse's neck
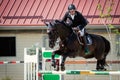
{"x":64,"y":32}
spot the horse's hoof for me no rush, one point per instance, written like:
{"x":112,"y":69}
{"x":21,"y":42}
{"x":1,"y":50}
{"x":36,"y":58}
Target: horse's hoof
{"x":54,"y":65}
{"x":62,"y":68}
{"x":56,"y":69}
{"x":104,"y":69}
{"x":101,"y":69}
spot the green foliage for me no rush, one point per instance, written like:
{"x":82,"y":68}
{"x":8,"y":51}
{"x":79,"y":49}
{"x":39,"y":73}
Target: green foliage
{"x":116,"y":31}
{"x":99,"y":7}
{"x":117,"y":42}
{"x":109,"y":9}
{"x":111,"y":26}
{"x":32,"y":50}
{"x":108,"y":15}
{"x":6,"y":78}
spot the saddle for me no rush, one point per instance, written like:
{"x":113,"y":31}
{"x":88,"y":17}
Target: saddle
{"x":86,"y":36}
{"x":88,"y":39}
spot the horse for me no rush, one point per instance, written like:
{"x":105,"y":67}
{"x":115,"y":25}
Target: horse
{"x":70,"y":46}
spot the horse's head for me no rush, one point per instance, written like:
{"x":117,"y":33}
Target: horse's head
{"x":52,"y":33}
{"x":57,"y":29}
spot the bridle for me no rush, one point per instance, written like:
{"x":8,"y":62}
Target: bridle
{"x":53,"y":35}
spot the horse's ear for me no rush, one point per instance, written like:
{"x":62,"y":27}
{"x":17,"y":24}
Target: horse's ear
{"x":46,"y":23}
{"x":56,"y":21}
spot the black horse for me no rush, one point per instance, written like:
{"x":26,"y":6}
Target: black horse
{"x":70,"y":46}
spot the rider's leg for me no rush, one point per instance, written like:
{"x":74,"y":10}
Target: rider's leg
{"x":82,"y":33}
{"x":85,"y":44}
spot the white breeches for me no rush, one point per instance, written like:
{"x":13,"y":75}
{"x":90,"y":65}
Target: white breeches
{"x":82,"y":32}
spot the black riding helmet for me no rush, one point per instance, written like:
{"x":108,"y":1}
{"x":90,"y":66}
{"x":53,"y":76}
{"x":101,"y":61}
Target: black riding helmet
{"x":71,"y":7}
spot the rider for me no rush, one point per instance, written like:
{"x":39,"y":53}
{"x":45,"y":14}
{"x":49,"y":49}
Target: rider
{"x":73,"y":18}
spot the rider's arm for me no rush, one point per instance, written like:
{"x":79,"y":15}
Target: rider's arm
{"x":65,"y":17}
{"x":83,"y":19}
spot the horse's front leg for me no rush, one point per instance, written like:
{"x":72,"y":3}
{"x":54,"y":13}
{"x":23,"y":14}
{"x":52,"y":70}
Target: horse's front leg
{"x":53,"y":59}
{"x":63,"y":62}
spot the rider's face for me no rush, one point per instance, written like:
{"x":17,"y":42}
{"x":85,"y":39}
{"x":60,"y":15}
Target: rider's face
{"x":72,"y":12}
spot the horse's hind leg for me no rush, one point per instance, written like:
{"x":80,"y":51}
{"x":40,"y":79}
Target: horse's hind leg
{"x":101,"y":64}
{"x":98,"y":66}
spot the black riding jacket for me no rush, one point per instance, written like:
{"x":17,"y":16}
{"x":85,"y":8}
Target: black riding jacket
{"x":79,"y":20}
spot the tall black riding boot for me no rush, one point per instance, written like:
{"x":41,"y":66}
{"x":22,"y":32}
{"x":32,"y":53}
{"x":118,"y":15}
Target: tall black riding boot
{"x":85,"y":45}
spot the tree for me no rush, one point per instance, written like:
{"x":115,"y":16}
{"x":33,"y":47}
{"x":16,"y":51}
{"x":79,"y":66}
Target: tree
{"x":110,"y":28}
{"x":108,"y":16}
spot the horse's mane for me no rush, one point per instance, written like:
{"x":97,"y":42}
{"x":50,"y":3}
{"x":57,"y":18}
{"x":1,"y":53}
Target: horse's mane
{"x":62,"y":24}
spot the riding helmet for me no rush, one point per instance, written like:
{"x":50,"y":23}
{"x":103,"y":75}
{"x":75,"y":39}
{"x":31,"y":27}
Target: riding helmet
{"x":71,"y":7}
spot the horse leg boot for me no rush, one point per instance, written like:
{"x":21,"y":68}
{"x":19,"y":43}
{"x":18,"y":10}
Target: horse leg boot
{"x":63,"y":62}
{"x":53,"y":60}
{"x":85,"y":45}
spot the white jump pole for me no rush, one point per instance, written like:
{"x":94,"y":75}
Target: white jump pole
{"x":81,"y":72}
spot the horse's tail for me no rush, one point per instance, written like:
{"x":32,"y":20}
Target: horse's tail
{"x":107,"y":45}
{"x":107,"y":50}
